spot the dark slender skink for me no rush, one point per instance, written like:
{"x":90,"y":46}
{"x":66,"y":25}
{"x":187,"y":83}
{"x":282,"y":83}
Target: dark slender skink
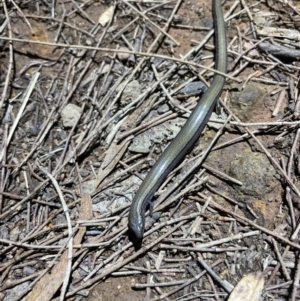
{"x":187,"y":136}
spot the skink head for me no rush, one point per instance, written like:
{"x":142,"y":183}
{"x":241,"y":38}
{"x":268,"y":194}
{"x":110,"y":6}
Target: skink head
{"x":136,"y":225}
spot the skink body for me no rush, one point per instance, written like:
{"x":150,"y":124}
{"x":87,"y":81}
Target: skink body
{"x":187,"y":136}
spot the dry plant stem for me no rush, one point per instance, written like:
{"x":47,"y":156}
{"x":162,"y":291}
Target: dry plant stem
{"x":281,"y":285}
{"x":239,"y":70}
{"x":149,"y":280}
{"x":3,"y":168}
{"x":285,"y":272}
{"x":296,"y":282}
{"x":47,"y":126}
{"x":162,"y":31}
{"x":226,"y":285}
{"x":293,"y":151}
{"x":69,"y":138}
{"x":196,"y":165}
{"x":70,"y":230}
{"x":66,"y":85}
{"x":20,"y":256}
{"x":21,"y":13}
{"x":11,"y":58}
{"x":103,"y":90}
{"x":243,"y":54}
{"x":259,"y":73}
{"x":287,"y":178}
{"x":209,"y":250}
{"x":153,"y":122}
{"x":291,"y":206}
{"x":98,"y":129}
{"x":279,"y":102}
{"x":55,"y":116}
{"x":22,"y":108}
{"x":108,"y":95}
{"x":52,"y":263}
{"x":153,"y":270}
{"x":222,"y":175}
{"x":240,"y":138}
{"x":88,"y":63}
{"x":123,"y":29}
{"x":76,"y":85}
{"x":182,"y":193}
{"x":240,"y":43}
{"x":263,"y":124}
{"x":115,"y":99}
{"x":215,"y":242}
{"x":172,"y":101}
{"x":116,"y":237}
{"x":289,"y":173}
{"x":213,"y":287}
{"x":45,"y":247}
{"x":112,"y":180}
{"x":120,"y":264}
{"x":269,"y":82}
{"x":61,"y":22}
{"x":244,"y":4}
{"x":101,"y":126}
{"x":27,"y":238}
{"x":12,"y":283}
{"x":247,"y":221}
{"x":5,"y":273}
{"x":144,"y":54}
{"x":160,"y":284}
{"x":13,"y":210}
{"x":37,"y":232}
{"x":187,"y":283}
{"x":224,"y":196}
{"x":154,"y":229}
{"x":28,"y":203}
{"x":79,"y":8}
{"x":189,"y":27}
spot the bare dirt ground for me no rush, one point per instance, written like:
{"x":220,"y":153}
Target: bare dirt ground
{"x":91,"y":94}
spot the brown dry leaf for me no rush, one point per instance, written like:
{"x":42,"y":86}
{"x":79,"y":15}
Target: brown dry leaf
{"x":38,"y":33}
{"x":47,"y":286}
{"x":106,"y":16}
{"x":249,"y":288}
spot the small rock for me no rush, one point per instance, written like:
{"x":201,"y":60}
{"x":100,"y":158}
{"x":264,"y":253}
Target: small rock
{"x":4,"y":232}
{"x":255,"y":172}
{"x":168,"y":130}
{"x":123,"y":56}
{"x":89,"y":186}
{"x":14,"y":234}
{"x":16,"y":292}
{"x":141,"y":144}
{"x":193,"y":88}
{"x":106,"y":16}
{"x":70,"y":114}
{"x":102,"y":207}
{"x":29,"y":270}
{"x":247,"y":103}
{"x":132,"y":91}
{"x":163,"y":109}
{"x":216,"y":125}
